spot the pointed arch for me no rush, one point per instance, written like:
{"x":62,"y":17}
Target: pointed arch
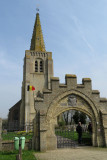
{"x":85,"y":104}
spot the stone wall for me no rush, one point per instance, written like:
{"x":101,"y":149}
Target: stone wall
{"x":9,"y":145}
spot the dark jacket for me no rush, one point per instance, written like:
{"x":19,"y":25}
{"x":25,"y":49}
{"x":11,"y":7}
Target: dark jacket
{"x":79,"y":129}
{"x":90,"y":128}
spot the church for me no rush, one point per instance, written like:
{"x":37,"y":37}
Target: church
{"x":49,"y":98}
{"x":37,"y":71}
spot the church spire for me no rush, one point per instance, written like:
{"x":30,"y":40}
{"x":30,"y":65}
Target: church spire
{"x":37,"y":42}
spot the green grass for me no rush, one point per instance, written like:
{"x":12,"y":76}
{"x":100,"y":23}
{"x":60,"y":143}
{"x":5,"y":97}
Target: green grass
{"x":86,"y":137}
{"x":67,"y":134}
{"x":12,"y":135}
{"x":26,"y":155}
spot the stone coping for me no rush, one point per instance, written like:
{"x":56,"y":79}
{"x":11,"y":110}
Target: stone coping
{"x":63,"y":85}
{"x":70,"y":76}
{"x":104,"y":113}
{"x":95,"y":92}
{"x":46,"y":91}
{"x":103,"y":99}
{"x":80,"y":86}
{"x":86,"y":80}
{"x":54,"y":78}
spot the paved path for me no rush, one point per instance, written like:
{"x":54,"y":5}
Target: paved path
{"x":80,"y":153}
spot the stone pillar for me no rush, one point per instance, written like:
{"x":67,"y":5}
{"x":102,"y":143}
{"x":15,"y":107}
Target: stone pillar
{"x":43,"y":142}
{"x":104,"y":120}
{"x":94,"y":134}
{"x":105,"y":131}
{"x":36,"y":137}
{"x":101,"y":131}
{"x":51,"y":137}
{"x":0,"y":134}
{"x":39,"y":139}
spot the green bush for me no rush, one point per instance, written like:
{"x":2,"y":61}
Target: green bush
{"x":61,"y":123}
{"x":11,"y":135}
{"x":21,"y":133}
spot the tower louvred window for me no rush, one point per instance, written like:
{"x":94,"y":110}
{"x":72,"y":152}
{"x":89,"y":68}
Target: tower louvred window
{"x":36,"y":66}
{"x":41,"y":66}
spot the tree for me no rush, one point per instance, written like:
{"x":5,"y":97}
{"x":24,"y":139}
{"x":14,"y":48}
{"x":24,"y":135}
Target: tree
{"x":79,"y":117}
{"x":65,"y":116}
{"x":76,"y":117}
{"x":82,"y":117}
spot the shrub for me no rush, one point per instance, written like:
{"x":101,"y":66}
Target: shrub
{"x":61,"y":123}
{"x":21,"y":133}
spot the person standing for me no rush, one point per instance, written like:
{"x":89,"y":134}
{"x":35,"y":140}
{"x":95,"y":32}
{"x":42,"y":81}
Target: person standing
{"x":79,"y":131}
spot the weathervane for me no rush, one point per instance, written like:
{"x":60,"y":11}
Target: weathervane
{"x":37,"y":9}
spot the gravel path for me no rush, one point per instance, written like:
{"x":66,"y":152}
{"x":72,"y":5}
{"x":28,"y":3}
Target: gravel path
{"x":80,"y":153}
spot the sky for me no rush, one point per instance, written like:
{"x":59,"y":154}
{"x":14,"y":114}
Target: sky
{"x":75,"y":31}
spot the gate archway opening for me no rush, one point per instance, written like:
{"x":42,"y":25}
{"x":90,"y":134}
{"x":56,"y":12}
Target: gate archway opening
{"x":83,"y":104}
{"x":66,"y":129}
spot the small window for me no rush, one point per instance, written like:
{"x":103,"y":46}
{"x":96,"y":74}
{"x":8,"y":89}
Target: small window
{"x":41,"y":66}
{"x":36,"y":66}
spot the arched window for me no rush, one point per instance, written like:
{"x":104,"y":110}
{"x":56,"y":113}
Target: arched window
{"x":36,"y":66}
{"x":41,"y":66}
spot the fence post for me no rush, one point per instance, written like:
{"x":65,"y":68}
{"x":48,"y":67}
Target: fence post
{"x":0,"y":134}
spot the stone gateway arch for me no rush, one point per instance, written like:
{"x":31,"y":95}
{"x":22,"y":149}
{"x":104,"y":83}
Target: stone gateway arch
{"x":57,"y":100}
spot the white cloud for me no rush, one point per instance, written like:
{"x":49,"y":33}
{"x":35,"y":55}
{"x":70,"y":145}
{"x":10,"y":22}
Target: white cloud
{"x":82,"y":34}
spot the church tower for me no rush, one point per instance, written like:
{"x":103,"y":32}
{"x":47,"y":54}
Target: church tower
{"x":37,"y":71}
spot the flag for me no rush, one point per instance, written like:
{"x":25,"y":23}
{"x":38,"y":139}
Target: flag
{"x":30,"y":88}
